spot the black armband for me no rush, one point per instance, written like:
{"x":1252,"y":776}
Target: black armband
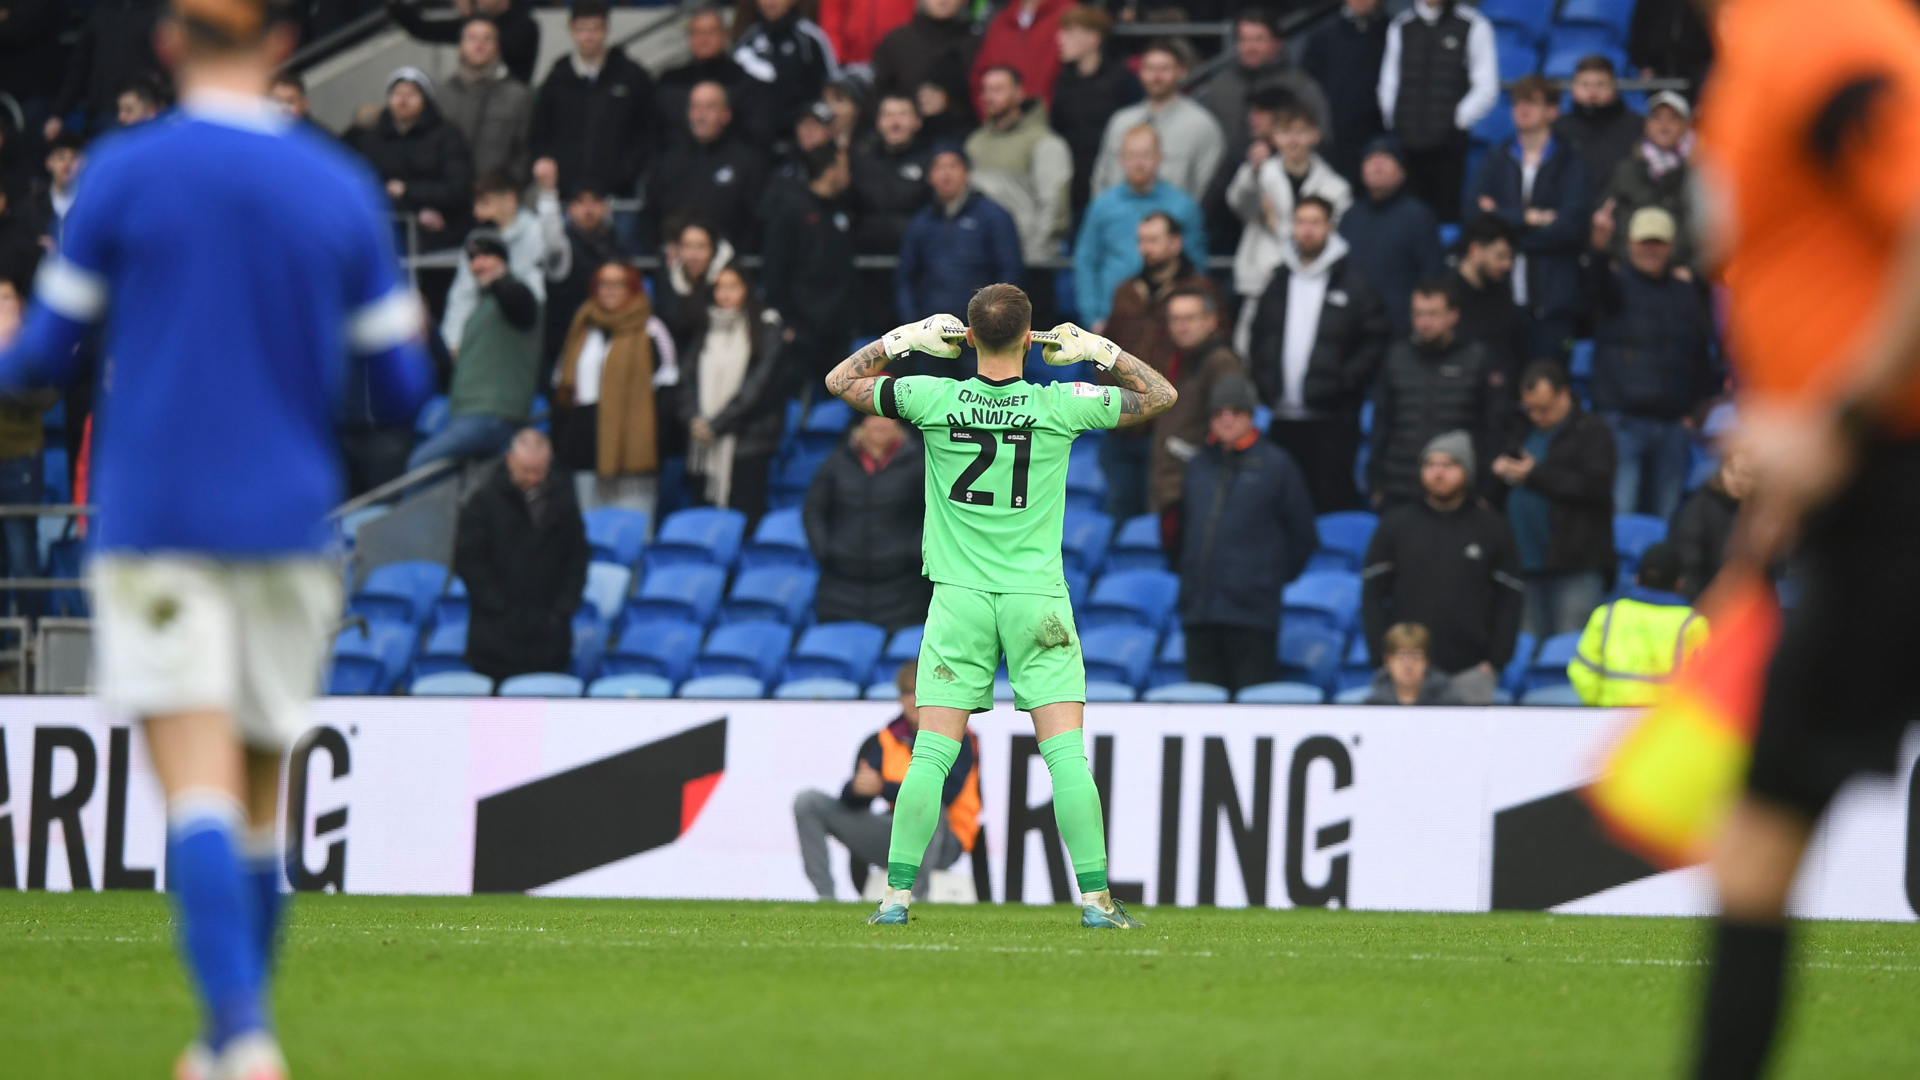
{"x":889,"y":406}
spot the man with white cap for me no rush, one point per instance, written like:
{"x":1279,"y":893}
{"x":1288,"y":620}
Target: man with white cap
{"x":1657,"y":174}
{"x":1651,"y":359}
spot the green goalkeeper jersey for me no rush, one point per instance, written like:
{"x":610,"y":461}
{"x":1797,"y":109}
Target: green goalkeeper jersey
{"x":996,"y":473}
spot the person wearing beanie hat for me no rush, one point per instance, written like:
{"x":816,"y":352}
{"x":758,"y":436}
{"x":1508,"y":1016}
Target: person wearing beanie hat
{"x":1394,"y":237}
{"x":1243,"y":530}
{"x":423,"y":161}
{"x":497,"y":368}
{"x":1447,"y":562}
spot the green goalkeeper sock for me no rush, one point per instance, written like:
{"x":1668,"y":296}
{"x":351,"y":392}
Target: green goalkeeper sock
{"x":1076,"y":807}
{"x":916,"y":813}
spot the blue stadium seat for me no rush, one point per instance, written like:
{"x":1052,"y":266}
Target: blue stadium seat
{"x":1518,"y":53}
{"x":452,"y":684}
{"x":791,"y":477}
{"x":1086,"y":484}
{"x":1262,"y":419}
{"x":1109,"y":691}
{"x":1121,"y":654}
{"x":1281,"y":693}
{"x":630,"y":686}
{"x":779,"y":540}
{"x":1170,"y":666}
{"x":753,"y":649}
{"x":723,"y":687}
{"x":1530,"y":15}
{"x":616,"y":534}
{"x":400,"y":592}
{"x":1563,"y":696}
{"x":432,"y":418}
{"x":904,"y":645}
{"x":589,"y":644}
{"x":1084,"y":536}
{"x":688,"y":592}
{"x":702,"y":534}
{"x":1132,"y":597}
{"x":661,"y":647}
{"x":1328,"y":597}
{"x":817,"y":690}
{"x":53,"y":473}
{"x":838,"y":650}
{"x":1633,"y":534}
{"x":1137,"y":545}
{"x":1580,"y":363}
{"x":1344,"y":536}
{"x":1572,"y":44}
{"x":1190,"y":693}
{"x":1353,"y":695}
{"x":1497,"y":126}
{"x":825,"y":424}
{"x":543,"y":684}
{"x":451,"y":606}
{"x":1615,"y":15}
{"x":369,"y":659}
{"x":1312,"y":654}
{"x":1357,"y":668}
{"x":1549,"y":667}
{"x":882,"y":691}
{"x":1078,"y":585}
{"x":605,"y":591}
{"x":445,"y":650}
{"x":1513,"y":678}
{"x":776,"y":593}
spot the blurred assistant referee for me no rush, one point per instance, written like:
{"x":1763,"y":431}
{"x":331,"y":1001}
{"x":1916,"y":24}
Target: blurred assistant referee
{"x":240,"y":263}
{"x":1810,"y":135}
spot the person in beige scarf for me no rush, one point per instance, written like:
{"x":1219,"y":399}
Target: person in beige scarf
{"x":732,"y":401}
{"x":604,"y":424}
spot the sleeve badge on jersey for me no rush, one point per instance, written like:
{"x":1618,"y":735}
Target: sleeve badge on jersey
{"x":1081,"y":389}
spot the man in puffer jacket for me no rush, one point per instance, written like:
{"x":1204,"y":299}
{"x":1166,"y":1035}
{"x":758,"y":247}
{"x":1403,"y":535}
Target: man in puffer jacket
{"x":863,"y":515}
{"x":1431,"y":383}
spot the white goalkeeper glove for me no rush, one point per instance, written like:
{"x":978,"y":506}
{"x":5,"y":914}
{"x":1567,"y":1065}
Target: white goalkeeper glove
{"x":939,"y":335}
{"x":1068,"y":344}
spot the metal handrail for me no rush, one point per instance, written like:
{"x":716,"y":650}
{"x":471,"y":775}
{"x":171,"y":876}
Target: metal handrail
{"x":346,"y":37}
{"x":431,"y":470}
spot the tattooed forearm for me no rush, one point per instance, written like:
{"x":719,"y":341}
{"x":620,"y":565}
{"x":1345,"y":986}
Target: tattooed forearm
{"x":852,"y":380}
{"x":1144,"y":392}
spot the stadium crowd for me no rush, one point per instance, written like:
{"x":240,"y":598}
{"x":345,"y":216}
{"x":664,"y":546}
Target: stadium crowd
{"x":1424,"y":276}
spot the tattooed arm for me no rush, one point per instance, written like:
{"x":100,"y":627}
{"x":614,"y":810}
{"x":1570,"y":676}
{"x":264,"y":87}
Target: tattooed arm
{"x":1144,"y":392}
{"x":853,"y":380}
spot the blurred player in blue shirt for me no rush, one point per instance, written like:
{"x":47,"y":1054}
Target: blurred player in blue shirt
{"x":240,"y":264}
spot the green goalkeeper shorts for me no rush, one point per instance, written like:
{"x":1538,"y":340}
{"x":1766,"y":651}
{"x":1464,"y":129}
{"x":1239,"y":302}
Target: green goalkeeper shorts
{"x":967,"y":630}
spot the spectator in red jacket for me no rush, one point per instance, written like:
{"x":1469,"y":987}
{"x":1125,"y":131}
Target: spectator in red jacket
{"x":856,"y":26}
{"x":1025,"y":36}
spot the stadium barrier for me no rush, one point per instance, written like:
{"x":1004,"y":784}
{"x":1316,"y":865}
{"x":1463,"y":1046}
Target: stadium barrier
{"x":1372,"y":808}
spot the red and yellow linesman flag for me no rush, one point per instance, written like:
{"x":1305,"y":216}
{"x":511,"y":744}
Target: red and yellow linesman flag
{"x":1669,"y":783}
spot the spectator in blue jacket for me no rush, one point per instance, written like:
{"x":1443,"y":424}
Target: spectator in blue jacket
{"x":1247,"y":530}
{"x":1540,"y":184}
{"x":960,"y":242}
{"x":1107,"y":251}
{"x":1394,"y":237}
{"x":1651,"y":362}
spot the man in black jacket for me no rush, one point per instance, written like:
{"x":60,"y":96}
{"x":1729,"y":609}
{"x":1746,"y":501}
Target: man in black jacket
{"x":1345,"y":55}
{"x":718,"y":177}
{"x":1431,"y":383}
{"x":1600,"y":127}
{"x":422,"y":160}
{"x":1319,"y":335}
{"x":115,"y":43}
{"x":935,"y":48}
{"x":1560,"y":472}
{"x":595,"y":109}
{"x":1248,"y":531}
{"x":889,"y":186}
{"x":578,"y":241}
{"x":1394,"y":236}
{"x":712,"y":62}
{"x":1447,"y":562}
{"x":1651,"y":360}
{"x":1483,"y":283}
{"x":809,"y":268}
{"x":522,"y":551}
{"x":790,"y":59}
{"x":1704,"y":524}
{"x":519,"y":34}
{"x":1092,"y":86}
{"x":863,"y":514}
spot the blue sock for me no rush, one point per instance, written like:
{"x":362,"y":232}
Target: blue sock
{"x":215,"y":913}
{"x":264,"y":877}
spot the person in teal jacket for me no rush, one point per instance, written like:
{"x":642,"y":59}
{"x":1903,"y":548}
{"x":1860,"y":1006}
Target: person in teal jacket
{"x":1107,"y":252}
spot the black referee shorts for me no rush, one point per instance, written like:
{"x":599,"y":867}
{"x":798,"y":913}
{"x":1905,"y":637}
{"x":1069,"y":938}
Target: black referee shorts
{"x":1846,"y":679}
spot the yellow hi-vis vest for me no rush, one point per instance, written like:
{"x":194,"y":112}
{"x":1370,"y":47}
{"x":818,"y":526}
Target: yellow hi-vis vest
{"x":1632,"y":648}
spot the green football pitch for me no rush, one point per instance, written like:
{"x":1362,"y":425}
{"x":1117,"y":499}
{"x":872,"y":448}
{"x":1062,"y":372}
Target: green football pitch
{"x":402,"y":987}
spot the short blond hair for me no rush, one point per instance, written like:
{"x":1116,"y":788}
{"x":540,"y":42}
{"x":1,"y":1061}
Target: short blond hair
{"x":1407,"y":636}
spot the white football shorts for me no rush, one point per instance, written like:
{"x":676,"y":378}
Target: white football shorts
{"x":174,"y":633}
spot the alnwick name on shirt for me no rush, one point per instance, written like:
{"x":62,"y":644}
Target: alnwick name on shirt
{"x":999,"y":412}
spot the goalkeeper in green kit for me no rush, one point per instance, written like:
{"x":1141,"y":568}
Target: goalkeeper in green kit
{"x":997,"y":450}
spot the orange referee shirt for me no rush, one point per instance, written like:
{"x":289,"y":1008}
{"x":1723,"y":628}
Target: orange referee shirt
{"x":1810,"y":134}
